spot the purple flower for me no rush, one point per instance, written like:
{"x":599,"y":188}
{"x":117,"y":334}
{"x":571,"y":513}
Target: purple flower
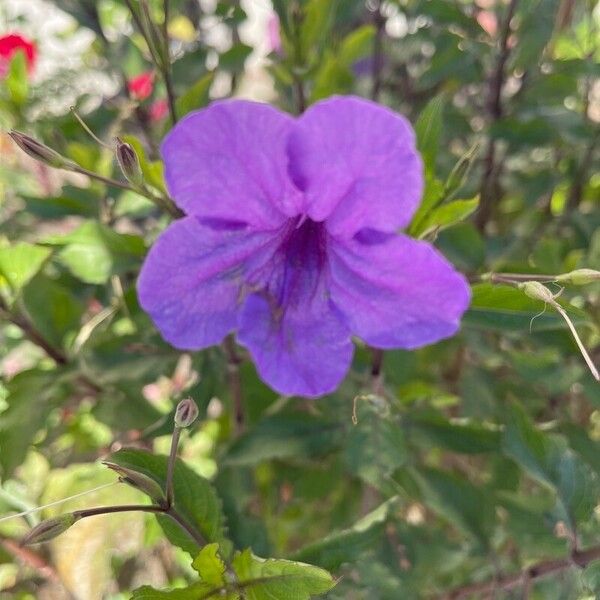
{"x":290,"y":240}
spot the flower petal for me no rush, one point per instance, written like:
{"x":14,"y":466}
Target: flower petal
{"x":356,"y":161}
{"x":228,"y":162}
{"x":398,"y":293}
{"x":300,"y":345}
{"x":191,"y":281}
{"x":301,"y":353}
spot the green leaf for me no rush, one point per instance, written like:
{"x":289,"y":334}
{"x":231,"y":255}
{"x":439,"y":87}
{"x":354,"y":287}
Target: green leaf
{"x":348,"y":544}
{"x":356,"y":45}
{"x":195,"y":498}
{"x":280,"y":436}
{"x":428,"y":129}
{"x":276,"y":579}
{"x":17,"y":81}
{"x":255,"y":579}
{"x":433,"y":194}
{"x":196,"y":591}
{"x":467,"y":438}
{"x":548,"y":459}
{"x":333,"y":77}
{"x":505,"y":308}
{"x":93,"y":252}
{"x":591,"y":576}
{"x":197,"y":96}
{"x":375,"y":447}
{"x":317,"y":21}
{"x":31,"y":397}
{"x":233,"y":59}
{"x":20,"y":263}
{"x":458,"y":501}
{"x":210,"y":565}
{"x":53,"y":309}
{"x":445,"y":216}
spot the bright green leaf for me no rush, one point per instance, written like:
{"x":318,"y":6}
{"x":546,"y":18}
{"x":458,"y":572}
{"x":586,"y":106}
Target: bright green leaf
{"x":195,"y":498}
{"x":20,"y":262}
{"x":197,"y":96}
{"x":276,"y":579}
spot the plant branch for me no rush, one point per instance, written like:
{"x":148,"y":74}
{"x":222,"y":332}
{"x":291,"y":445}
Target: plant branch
{"x":377,"y":67}
{"x":32,"y":334}
{"x":108,"y":510}
{"x":494,"y":106}
{"x":151,"y":508}
{"x":166,"y":64}
{"x":579,"y":558}
{"x":235,"y":384}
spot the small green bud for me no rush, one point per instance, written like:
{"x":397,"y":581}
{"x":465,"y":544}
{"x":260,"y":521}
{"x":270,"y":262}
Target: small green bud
{"x":129,"y":162}
{"x":580,"y":277}
{"x":139,"y":481}
{"x":537,"y":291}
{"x":40,"y":151}
{"x":186,"y":413}
{"x":49,"y":529}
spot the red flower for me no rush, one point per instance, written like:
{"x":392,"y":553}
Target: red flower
{"x":158,"y":110}
{"x":141,"y":86}
{"x":12,"y":43}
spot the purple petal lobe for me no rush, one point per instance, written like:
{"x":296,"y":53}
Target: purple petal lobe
{"x":191,"y":283}
{"x":228,"y":162}
{"x":298,"y":342}
{"x":400,"y":293}
{"x":304,"y":354}
{"x":357,"y":164}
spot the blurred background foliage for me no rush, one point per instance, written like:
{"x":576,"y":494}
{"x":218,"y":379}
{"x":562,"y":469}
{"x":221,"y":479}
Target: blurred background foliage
{"x":473,"y":462}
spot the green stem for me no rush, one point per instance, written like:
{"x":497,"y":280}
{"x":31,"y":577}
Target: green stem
{"x":169,"y":492}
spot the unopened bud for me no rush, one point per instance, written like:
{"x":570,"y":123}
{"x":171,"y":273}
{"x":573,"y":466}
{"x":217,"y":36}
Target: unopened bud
{"x":537,"y":291}
{"x":186,"y":413}
{"x":40,"y":151}
{"x":129,"y":162}
{"x":139,"y":481}
{"x":461,"y":169}
{"x":580,"y":277}
{"x":49,"y":529}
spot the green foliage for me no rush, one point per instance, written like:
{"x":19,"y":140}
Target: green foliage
{"x":428,"y":470}
{"x":195,"y":498}
{"x":20,"y":262}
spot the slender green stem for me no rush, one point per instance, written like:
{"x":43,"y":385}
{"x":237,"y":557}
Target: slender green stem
{"x":107,"y":510}
{"x":191,"y":531}
{"x":107,"y":180}
{"x":151,"y":508}
{"x":166,"y":70}
{"x":517,"y":277}
{"x":162,"y":202}
{"x":169,"y":492}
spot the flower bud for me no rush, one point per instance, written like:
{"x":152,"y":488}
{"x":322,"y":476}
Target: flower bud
{"x":580,"y":277}
{"x":40,"y":151}
{"x":186,"y":413}
{"x":49,"y":529}
{"x":129,"y":163}
{"x":139,"y":481}
{"x":537,"y":291}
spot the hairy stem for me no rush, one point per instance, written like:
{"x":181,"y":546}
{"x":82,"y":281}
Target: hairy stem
{"x":169,"y":492}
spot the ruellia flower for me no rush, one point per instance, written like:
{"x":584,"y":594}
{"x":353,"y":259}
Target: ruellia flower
{"x":141,"y":86}
{"x":12,"y":43}
{"x":290,"y":240}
